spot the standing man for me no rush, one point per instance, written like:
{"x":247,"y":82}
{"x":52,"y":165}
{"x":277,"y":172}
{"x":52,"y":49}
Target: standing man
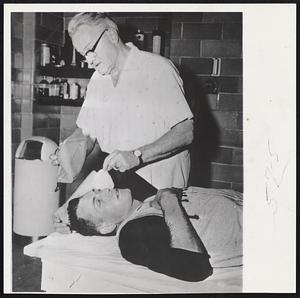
{"x":135,"y":108}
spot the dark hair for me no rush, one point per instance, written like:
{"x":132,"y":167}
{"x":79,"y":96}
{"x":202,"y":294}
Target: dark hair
{"x":80,"y":225}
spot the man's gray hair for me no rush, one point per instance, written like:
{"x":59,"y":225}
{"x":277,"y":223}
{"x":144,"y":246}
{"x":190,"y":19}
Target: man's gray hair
{"x":90,"y":19}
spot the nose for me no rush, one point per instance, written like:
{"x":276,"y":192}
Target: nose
{"x":96,"y":190}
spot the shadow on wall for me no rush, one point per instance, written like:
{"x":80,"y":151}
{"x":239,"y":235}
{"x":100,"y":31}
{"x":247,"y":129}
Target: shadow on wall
{"x":206,"y":131}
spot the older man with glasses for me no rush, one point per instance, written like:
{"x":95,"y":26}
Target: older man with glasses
{"x":135,"y":108}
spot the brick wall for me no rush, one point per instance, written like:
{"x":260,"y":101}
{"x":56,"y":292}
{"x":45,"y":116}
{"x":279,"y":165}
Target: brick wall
{"x":196,"y":39}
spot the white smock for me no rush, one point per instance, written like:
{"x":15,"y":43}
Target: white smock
{"x":146,"y":103}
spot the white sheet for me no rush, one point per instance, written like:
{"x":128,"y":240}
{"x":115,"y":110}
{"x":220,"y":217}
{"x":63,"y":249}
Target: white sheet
{"x":74,"y":263}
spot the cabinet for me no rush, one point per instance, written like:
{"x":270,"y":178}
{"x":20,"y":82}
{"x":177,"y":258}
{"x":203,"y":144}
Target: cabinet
{"x":62,"y":72}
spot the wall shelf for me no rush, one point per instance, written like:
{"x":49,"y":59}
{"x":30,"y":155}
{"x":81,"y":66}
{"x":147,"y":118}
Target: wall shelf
{"x":65,"y":72}
{"x":57,"y":101}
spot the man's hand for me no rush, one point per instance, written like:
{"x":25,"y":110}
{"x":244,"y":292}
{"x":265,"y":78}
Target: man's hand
{"x":61,"y":220}
{"x":120,"y":161}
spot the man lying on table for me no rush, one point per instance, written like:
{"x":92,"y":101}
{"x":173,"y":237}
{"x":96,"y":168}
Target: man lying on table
{"x":156,"y":233}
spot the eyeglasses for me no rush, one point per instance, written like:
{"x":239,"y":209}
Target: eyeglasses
{"x":92,"y":50}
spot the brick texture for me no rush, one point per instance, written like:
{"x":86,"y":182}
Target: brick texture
{"x":237,"y":156}
{"x":180,"y":47}
{"x":227,"y":173}
{"x":187,"y":17}
{"x":222,"y":17}
{"x":16,"y":120}
{"x":232,"y":31}
{"x":198,"y":65}
{"x":40,"y":121}
{"x":230,"y":102}
{"x":176,"y":30}
{"x":221,"y":48}
{"x":231,"y":67}
{"x":226,"y":119}
{"x":224,"y":155}
{"x":16,"y":135}
{"x":202,"y":31}
{"x":231,"y":137}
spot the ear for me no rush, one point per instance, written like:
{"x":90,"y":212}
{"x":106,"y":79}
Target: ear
{"x":113,"y":34}
{"x":106,"y":228}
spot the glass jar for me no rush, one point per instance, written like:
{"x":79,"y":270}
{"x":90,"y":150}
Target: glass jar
{"x":45,"y":54}
{"x":51,"y":88}
{"x":56,"y":88}
{"x":43,"y":87}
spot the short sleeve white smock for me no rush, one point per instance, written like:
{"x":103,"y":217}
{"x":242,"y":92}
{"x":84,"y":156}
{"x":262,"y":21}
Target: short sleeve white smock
{"x":146,"y":103}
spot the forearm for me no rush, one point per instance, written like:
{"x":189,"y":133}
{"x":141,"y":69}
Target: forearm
{"x":183,"y":234}
{"x":171,"y":142}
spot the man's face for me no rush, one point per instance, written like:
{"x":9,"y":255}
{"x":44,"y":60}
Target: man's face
{"x":103,"y":58}
{"x":109,"y":206}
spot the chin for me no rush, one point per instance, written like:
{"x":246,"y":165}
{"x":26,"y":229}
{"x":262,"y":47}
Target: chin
{"x":125,"y":195}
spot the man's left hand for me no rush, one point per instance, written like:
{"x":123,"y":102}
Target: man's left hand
{"x":120,"y":161}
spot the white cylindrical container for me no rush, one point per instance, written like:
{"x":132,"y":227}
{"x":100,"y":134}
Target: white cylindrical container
{"x":74,"y":91}
{"x":45,"y":54}
{"x":156,"y":47}
{"x":36,"y":197}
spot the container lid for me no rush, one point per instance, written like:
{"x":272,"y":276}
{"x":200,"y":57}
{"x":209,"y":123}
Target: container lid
{"x":36,"y":148}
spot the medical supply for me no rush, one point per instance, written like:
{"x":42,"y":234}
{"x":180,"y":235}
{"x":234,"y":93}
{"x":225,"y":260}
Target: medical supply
{"x":156,"y":48}
{"x":54,"y":88}
{"x":43,"y":87}
{"x":74,"y":91}
{"x":45,"y":54}
{"x":65,"y":89}
{"x":73,"y":63}
{"x":82,"y":91}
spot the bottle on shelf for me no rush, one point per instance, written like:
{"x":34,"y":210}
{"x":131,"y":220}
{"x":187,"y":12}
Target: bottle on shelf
{"x":51,"y":88}
{"x":56,"y":87}
{"x":45,"y":54}
{"x":67,"y":50}
{"x":157,"y":40}
{"x":73,"y":63}
{"x":65,"y":89}
{"x":82,"y":91}
{"x":74,"y":91}
{"x":43,"y":87}
{"x":140,"y":39}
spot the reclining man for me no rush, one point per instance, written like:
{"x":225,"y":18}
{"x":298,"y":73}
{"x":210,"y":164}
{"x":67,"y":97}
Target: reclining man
{"x":158,"y":233}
